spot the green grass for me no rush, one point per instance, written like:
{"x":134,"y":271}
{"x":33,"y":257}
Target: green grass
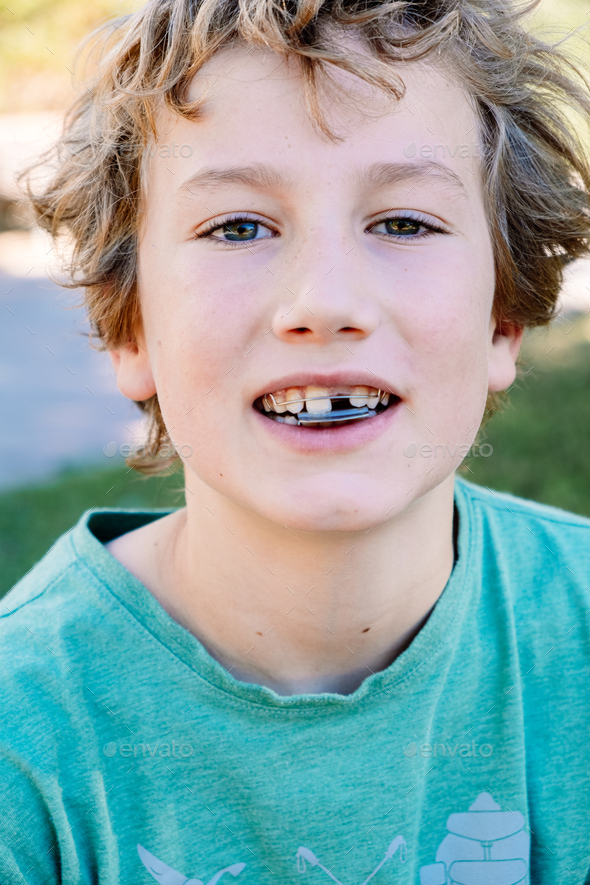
{"x":539,"y":441}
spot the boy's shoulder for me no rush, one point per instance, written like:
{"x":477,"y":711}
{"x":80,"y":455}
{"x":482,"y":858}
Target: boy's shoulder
{"x":52,"y":616}
{"x":66,"y":635}
{"x":517,"y":506}
{"x":517,"y":515}
{"x":56,"y":585}
{"x":540,"y":552}
{"x":38,"y":619}
{"x":44,"y":595}
{"x":47,"y":593}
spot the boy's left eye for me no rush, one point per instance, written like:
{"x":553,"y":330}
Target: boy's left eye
{"x":402,"y":227}
{"x":405,"y":228}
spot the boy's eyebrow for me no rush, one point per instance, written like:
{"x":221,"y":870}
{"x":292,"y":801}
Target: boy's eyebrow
{"x":267,"y":177}
{"x":383,"y":174}
{"x":257,"y":175}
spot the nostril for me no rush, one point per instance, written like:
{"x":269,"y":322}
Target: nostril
{"x":302,"y":330}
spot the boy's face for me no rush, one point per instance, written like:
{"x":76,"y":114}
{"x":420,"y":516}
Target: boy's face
{"x":358,"y":263}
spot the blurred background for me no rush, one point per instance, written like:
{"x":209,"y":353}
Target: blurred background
{"x":62,"y":419}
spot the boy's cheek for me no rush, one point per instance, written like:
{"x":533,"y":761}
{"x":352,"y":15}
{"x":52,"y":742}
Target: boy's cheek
{"x":205,"y":310}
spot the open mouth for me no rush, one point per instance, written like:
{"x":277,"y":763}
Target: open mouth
{"x":319,"y":407}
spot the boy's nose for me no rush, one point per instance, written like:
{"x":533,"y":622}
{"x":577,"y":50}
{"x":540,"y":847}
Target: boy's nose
{"x":324,"y":306}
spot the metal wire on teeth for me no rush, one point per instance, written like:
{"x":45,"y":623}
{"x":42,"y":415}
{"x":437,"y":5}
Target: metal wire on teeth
{"x":347,"y":396}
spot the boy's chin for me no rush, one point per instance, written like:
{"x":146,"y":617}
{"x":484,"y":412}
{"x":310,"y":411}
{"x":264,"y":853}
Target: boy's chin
{"x":327,"y":519}
{"x":334,"y":509}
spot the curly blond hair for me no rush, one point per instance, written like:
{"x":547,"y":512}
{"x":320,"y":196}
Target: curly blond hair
{"x":535,"y":170}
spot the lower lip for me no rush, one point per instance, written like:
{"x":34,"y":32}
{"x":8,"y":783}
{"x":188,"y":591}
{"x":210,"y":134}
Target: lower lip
{"x":331,"y":439}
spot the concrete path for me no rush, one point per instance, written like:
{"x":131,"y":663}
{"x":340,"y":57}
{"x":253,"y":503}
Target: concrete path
{"x":59,"y":403}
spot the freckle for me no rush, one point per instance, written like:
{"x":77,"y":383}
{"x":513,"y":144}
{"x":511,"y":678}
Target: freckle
{"x":366,"y":630}
{"x":159,"y":343}
{"x":258,"y":634}
{"x":221,"y":474}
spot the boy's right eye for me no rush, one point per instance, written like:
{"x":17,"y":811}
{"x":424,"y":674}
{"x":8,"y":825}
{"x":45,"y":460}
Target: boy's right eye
{"x":241,"y":230}
{"x":235,"y":230}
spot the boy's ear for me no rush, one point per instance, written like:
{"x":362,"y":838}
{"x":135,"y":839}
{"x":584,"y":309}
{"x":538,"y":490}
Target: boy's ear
{"x":133,"y":369}
{"x":505,"y":342}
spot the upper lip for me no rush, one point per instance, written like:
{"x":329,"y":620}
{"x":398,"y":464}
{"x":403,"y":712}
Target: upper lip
{"x":352,"y":377}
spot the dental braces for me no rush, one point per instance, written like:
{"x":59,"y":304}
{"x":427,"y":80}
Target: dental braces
{"x":326,"y":396}
{"x":355,"y":413}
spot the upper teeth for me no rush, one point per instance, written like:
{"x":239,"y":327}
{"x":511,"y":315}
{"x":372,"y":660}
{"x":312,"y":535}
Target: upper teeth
{"x":366,"y":396}
{"x":317,"y":400}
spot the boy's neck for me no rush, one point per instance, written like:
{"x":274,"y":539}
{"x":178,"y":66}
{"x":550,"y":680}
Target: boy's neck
{"x":297,"y":612}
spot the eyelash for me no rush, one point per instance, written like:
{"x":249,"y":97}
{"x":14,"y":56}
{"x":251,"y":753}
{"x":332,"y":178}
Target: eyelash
{"x":233,"y":219}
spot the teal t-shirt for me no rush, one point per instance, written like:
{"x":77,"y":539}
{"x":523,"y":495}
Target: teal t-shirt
{"x":128,"y":755}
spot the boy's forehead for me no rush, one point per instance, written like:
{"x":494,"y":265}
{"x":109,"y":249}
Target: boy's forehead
{"x":254,"y":112}
{"x":260,"y":75}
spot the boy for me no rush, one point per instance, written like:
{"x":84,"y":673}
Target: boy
{"x":311,"y":236}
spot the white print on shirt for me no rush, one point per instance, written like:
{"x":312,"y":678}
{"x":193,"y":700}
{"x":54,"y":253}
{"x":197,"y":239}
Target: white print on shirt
{"x":304,"y":854}
{"x":165,"y":875}
{"x":484,"y":844}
